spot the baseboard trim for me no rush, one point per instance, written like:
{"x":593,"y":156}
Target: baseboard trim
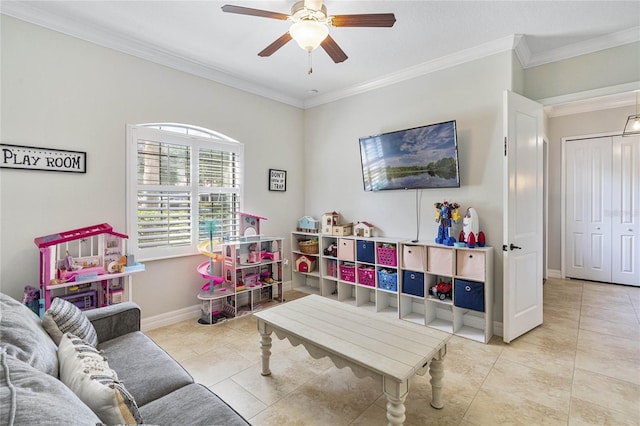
{"x":183,"y":314}
{"x":554,"y":273}
{"x":498,"y":329}
{"x":169,"y":318}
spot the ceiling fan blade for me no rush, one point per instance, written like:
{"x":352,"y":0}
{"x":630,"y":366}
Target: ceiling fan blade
{"x":254,"y":12}
{"x":333,"y":50}
{"x":364,"y":20}
{"x":271,"y":49}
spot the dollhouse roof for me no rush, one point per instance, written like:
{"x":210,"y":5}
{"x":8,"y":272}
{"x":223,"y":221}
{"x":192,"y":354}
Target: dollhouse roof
{"x":307,"y":219}
{"x":76,"y":234}
{"x":363,"y":224}
{"x":252,"y":215}
{"x":304,"y":259}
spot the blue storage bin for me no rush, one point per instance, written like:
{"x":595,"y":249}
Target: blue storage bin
{"x":469,"y":295}
{"x":388,"y":280}
{"x":413,"y":283}
{"x":365,"y":251}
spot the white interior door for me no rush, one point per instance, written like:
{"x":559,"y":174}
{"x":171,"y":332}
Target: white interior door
{"x":588,"y":209}
{"x":625,"y":218}
{"x":523,"y":212}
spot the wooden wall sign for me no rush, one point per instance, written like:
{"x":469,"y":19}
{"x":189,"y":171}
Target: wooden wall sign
{"x":33,"y":158}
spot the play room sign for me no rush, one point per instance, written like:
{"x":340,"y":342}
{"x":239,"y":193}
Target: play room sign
{"x":32,"y":158}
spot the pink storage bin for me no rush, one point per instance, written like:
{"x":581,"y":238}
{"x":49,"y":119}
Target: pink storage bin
{"x":348,"y":273}
{"x":367,"y":276}
{"x":387,"y":256}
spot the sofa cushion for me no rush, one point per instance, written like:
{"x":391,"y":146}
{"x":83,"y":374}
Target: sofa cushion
{"x":22,"y":336}
{"x":196,"y":404}
{"x":30,"y":397}
{"x":64,"y":317}
{"x":146,"y":369}
{"x":85,"y":370}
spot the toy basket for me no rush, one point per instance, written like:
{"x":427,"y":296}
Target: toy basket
{"x":308,"y":246}
{"x":387,"y":256}
{"x":367,"y":276}
{"x":388,"y":280}
{"x":348,"y":273}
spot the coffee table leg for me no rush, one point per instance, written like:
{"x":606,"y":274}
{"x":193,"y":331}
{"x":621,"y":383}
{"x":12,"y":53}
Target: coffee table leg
{"x":265,"y":348}
{"x":396,"y":393}
{"x":436,"y":370}
{"x":395,"y":410}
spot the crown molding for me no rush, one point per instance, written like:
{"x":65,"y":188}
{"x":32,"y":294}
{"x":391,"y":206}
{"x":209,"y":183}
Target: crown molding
{"x":591,"y":100}
{"x":29,"y":12}
{"x":596,"y":44}
{"x":457,"y":58}
{"x":25,"y":11}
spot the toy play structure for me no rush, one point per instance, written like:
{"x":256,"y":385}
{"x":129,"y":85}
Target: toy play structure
{"x":250,"y":266}
{"x":206,"y":268}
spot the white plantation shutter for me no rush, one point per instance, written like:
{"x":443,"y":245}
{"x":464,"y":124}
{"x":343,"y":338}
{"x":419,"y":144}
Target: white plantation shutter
{"x":179,"y":177}
{"x":219,"y":191}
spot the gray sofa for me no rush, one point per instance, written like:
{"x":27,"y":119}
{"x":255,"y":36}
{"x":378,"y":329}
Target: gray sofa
{"x":32,"y":394}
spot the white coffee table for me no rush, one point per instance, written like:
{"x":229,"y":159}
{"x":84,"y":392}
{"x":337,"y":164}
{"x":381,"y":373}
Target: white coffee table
{"x":388,"y":349}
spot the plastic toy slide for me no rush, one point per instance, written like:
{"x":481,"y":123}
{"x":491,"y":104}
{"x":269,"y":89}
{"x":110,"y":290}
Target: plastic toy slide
{"x":203,"y":269}
{"x":206,"y":249}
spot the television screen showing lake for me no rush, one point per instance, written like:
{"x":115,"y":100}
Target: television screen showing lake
{"x":422,"y":157}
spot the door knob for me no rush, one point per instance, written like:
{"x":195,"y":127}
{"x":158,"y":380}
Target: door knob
{"x":513,"y":247}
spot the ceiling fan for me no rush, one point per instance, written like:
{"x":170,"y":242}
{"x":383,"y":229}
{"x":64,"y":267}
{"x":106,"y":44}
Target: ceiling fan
{"x":311,"y":24}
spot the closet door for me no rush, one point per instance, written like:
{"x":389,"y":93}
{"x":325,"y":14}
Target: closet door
{"x":625,"y":218}
{"x":588,"y":209}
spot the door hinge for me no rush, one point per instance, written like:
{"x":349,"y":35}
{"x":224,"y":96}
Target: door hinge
{"x":505,"y":146}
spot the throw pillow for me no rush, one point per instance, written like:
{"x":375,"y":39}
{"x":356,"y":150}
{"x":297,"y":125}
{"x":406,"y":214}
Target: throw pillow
{"x":64,"y":317}
{"x":86,"y":372}
{"x":30,"y":397}
{"x":23,"y":336}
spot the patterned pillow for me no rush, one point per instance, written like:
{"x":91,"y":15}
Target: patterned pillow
{"x":86,"y":372}
{"x":64,"y":317}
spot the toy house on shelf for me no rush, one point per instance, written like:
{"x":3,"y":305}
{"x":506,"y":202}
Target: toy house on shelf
{"x":85,"y":266}
{"x":328,"y":222}
{"x":308,"y":224}
{"x":305,"y":263}
{"x":363,"y":229}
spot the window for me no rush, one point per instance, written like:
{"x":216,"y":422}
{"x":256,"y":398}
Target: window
{"x":178,"y":178}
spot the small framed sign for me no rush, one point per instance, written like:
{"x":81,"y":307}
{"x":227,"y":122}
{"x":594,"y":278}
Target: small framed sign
{"x":34,"y":158}
{"x":277,"y":180}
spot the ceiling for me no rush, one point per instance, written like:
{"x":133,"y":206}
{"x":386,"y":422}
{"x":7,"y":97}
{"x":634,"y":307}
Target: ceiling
{"x":197,"y":37}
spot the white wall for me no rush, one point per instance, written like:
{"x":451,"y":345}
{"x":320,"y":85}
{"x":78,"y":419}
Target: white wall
{"x":63,"y":93}
{"x":604,"y":68}
{"x":471,"y":94}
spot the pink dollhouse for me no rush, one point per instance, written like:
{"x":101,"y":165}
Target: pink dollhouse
{"x":85,"y":266}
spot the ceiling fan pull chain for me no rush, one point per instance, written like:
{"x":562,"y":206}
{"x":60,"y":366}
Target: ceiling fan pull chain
{"x":310,"y":65}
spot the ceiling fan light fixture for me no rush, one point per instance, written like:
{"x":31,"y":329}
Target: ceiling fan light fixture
{"x":309,"y":33}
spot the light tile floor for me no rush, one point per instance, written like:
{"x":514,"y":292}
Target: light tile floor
{"x":581,"y":367}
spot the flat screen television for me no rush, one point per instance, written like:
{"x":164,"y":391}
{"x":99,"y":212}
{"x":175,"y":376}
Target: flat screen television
{"x":417,"y":158}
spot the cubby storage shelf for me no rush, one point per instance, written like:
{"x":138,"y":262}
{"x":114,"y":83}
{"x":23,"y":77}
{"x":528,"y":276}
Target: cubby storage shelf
{"x":344,"y":265}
